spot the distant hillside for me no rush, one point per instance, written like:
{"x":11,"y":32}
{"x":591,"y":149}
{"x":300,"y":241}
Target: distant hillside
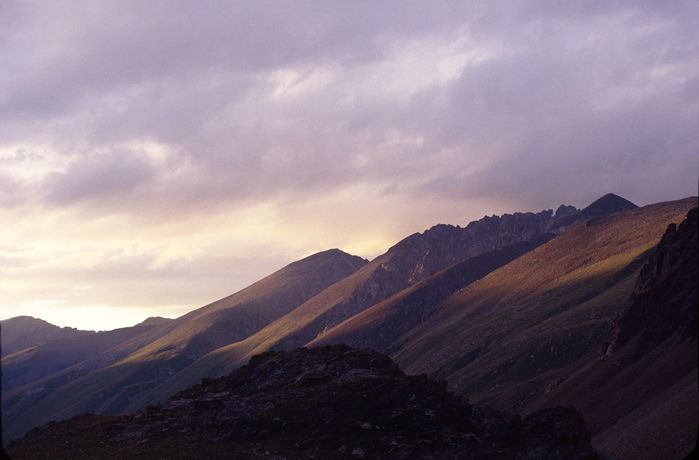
{"x":608,"y":204}
{"x":154,"y":321}
{"x":24,"y":332}
{"x":35,"y":363}
{"x":114,"y":378}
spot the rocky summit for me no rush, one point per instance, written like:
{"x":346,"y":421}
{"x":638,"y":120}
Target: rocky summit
{"x":330,"y":402}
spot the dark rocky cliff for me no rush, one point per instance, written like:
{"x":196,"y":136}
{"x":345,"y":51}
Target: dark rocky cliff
{"x":664,"y":300}
{"x":329,"y":402}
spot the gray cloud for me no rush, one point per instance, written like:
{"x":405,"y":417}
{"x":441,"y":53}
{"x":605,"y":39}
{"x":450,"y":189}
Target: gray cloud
{"x":98,"y":177}
{"x":196,"y":77}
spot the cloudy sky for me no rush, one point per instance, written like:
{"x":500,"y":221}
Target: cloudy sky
{"x":156,"y":156}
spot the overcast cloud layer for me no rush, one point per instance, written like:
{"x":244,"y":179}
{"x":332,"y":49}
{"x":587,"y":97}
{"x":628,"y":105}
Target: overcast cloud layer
{"x":158,"y":155}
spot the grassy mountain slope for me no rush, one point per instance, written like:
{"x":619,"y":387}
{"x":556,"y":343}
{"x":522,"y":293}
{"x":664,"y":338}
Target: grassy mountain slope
{"x":240,"y":315}
{"x":507,"y":338}
{"x":112,"y":380}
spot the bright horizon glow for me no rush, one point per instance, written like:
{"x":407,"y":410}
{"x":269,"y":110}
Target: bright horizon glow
{"x":156,"y":157}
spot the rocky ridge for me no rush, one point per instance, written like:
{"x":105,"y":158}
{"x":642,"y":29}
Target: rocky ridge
{"x":330,"y":402}
{"x":422,"y":255}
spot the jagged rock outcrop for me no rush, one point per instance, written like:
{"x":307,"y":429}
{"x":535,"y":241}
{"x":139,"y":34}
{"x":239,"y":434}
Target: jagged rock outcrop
{"x":328,"y":402}
{"x":414,"y":259}
{"x":664,"y":300}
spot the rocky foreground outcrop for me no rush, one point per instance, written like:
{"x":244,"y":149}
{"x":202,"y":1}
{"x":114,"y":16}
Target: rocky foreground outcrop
{"x":331,"y":402}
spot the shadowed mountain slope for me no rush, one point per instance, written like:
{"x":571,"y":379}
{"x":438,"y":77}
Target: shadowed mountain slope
{"x":379,"y":326}
{"x":509,"y":337}
{"x":641,"y":399}
{"x":329,"y":402}
{"x":23,"y":332}
{"x":34,"y":363}
{"x":111,"y":380}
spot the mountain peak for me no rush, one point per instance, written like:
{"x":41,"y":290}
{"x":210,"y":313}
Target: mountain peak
{"x":608,"y":204}
{"x":566,"y":217}
{"x":154,"y":321}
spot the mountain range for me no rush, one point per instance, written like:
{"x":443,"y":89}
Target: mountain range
{"x":517,"y":312}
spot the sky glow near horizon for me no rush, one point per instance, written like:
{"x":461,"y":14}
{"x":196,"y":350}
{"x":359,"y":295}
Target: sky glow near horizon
{"x":157,"y":156}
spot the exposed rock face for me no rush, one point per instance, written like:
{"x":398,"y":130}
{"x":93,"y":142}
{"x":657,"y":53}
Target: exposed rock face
{"x":665,"y":299}
{"x":380,"y":326}
{"x":329,"y":402}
